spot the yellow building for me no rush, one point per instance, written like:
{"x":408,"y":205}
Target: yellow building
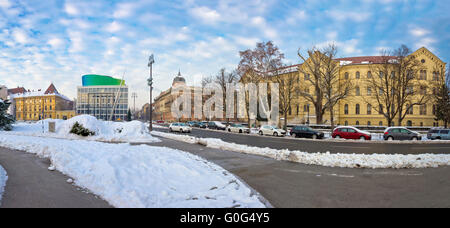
{"x":38,"y":105}
{"x":360,"y":107}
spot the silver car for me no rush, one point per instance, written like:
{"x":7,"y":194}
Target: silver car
{"x":439,"y":134}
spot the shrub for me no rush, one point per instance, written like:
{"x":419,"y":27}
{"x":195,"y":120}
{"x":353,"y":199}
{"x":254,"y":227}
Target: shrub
{"x":78,"y":129}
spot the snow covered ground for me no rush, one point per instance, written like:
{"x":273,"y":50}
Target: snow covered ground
{"x":105,"y":131}
{"x":3,"y":179}
{"x":139,"y":176}
{"x":374,"y":161}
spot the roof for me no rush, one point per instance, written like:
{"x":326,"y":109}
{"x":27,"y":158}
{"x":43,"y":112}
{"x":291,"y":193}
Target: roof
{"x":51,"y":91}
{"x":17,"y":90}
{"x":366,"y":59}
{"x":101,"y":80}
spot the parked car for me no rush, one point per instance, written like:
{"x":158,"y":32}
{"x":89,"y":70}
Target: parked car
{"x":199,"y":125}
{"x":238,"y":128}
{"x":439,"y":134}
{"x":350,"y":133}
{"x":180,"y":127}
{"x":191,"y":123}
{"x":216,"y":125}
{"x":271,"y":130}
{"x":306,"y":132}
{"x":400,"y":133}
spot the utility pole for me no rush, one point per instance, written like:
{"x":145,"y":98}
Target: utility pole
{"x":151,"y":60}
{"x":134,"y":96}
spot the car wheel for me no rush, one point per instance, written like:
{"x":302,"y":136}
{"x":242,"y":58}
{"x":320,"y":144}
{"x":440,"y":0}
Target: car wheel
{"x":240,"y":131}
{"x":170,"y":130}
{"x":362,"y":138}
{"x":275,"y":134}
{"x":294,"y":135}
{"x":314,"y":137}
{"x":337,"y":137}
{"x":261,"y":133}
{"x":415,"y":139}
{"x":390,"y":138}
{"x":229,"y":130}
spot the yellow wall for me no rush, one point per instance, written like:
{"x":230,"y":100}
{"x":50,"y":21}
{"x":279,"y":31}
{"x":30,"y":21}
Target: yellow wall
{"x":41,"y":107}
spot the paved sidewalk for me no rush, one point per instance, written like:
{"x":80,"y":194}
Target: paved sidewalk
{"x":31,"y":185}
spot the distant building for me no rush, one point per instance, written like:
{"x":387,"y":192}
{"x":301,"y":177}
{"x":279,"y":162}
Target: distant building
{"x":104,"y":97}
{"x":11,"y":93}
{"x":3,"y":92}
{"x":38,"y":105}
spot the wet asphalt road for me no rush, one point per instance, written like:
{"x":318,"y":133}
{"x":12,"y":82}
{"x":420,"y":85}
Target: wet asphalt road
{"x":332,"y":146}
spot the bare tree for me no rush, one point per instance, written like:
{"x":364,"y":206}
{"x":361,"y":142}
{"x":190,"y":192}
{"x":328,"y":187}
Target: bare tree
{"x":223,"y":78}
{"x":321,"y":71}
{"x":256,"y":64}
{"x":288,"y":89}
{"x":397,"y":88}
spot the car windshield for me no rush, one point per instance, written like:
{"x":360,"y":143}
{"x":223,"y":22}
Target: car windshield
{"x":181,"y":124}
{"x":238,"y":125}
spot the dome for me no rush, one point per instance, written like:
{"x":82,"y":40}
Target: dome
{"x":178,"y":79}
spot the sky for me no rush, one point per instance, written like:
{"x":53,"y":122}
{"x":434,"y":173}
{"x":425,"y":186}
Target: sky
{"x":60,"y":40}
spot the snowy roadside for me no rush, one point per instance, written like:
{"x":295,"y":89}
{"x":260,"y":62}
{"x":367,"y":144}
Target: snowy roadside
{"x":105,"y":131}
{"x":139,"y":176}
{"x":3,"y":179}
{"x":373,"y":161}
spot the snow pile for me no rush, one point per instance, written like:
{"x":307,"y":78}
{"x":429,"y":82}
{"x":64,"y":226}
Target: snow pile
{"x":373,"y":161}
{"x":140,"y":176}
{"x":107,"y":131}
{"x":3,"y":179}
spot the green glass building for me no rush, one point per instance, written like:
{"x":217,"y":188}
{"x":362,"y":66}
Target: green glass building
{"x":103,"y":96}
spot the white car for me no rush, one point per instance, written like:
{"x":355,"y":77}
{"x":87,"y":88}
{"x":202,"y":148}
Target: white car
{"x":238,"y":128}
{"x":271,"y":130}
{"x":180,"y":127}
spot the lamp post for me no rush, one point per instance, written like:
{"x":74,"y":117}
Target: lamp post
{"x":151,"y":60}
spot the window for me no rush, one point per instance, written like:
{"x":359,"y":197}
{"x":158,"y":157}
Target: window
{"x":346,"y":75}
{"x":307,"y":76}
{"x":358,"y":109}
{"x":369,"y":91}
{"x":358,"y":91}
{"x":380,"y":110}
{"x":357,"y":123}
{"x":423,"y":75}
{"x":434,"y":109}
{"x":369,"y":74}
{"x":409,"y":109}
{"x":423,"y":90}
{"x":380,"y":123}
{"x":409,"y":123}
{"x":346,"y":124}
{"x":369,"y":109}
{"x":410,"y":75}
{"x":423,"y":109}
{"x":393,"y":74}
{"x":346,"y":109}
{"x":358,"y":75}
{"x":381,"y":74}
{"x":369,"y":123}
{"x":435,"y":76}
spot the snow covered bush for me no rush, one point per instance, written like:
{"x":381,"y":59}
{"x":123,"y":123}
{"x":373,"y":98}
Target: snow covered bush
{"x":6,"y":120}
{"x":78,"y":129}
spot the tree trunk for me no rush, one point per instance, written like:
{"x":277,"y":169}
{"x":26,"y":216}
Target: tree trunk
{"x":285,"y":121}
{"x":332,"y":118}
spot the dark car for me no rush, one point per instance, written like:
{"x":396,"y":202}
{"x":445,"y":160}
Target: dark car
{"x":215,"y":125}
{"x":350,"y":133}
{"x":306,"y":132}
{"x":401,"y":133}
{"x":200,"y":125}
{"x":439,"y":134}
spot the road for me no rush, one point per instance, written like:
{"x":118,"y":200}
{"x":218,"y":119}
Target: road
{"x":331,"y":146}
{"x":292,"y":185}
{"x":31,"y":185}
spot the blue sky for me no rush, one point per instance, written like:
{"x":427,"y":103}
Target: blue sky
{"x":59,"y":41}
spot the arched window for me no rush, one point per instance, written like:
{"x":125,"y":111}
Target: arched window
{"x":369,"y":74}
{"x":409,"y":123}
{"x":358,"y":75}
{"x":347,"y":75}
{"x":346,"y":123}
{"x":369,"y":109}
{"x":358,"y":109}
{"x":357,"y":123}
{"x":346,"y":109}
{"x":358,"y":91}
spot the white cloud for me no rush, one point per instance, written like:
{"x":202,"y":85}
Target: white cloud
{"x":342,"y":16}
{"x":419,"y":32}
{"x":5,"y":4}
{"x":20,"y":36}
{"x":77,"y":42}
{"x":71,"y":9}
{"x":114,"y":27}
{"x":124,"y":10}
{"x":205,"y":14}
{"x":56,"y":43}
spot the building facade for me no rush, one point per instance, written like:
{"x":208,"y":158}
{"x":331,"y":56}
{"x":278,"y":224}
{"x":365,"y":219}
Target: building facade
{"x":38,"y":105}
{"x":3,"y":92}
{"x":360,"y":107}
{"x":104,"y":97}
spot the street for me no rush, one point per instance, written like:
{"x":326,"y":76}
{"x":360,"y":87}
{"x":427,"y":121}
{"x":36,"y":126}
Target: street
{"x":332,"y":146}
{"x":292,"y":185}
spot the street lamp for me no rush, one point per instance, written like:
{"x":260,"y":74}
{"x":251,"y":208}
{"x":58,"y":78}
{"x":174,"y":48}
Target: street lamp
{"x":151,"y":60}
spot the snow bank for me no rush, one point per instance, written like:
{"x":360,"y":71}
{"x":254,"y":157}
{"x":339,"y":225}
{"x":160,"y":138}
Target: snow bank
{"x":107,"y":131}
{"x":373,"y":161}
{"x":140,"y":176}
{"x":3,"y":179}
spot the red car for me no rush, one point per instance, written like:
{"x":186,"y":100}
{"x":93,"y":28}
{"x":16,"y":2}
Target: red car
{"x":350,"y":133}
